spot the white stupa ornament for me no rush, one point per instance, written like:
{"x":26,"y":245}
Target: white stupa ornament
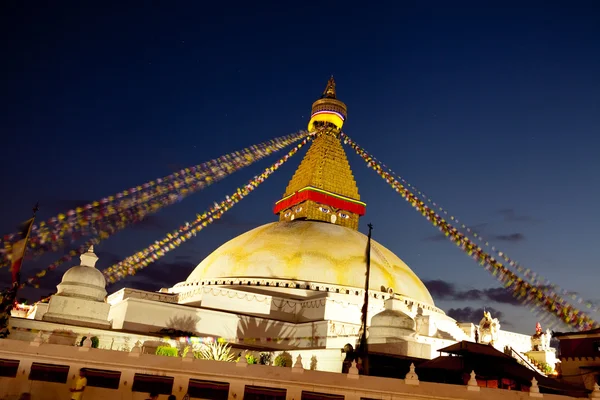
{"x":411,"y":378}
{"x":80,"y":296}
{"x":89,"y":258}
{"x":84,"y":280}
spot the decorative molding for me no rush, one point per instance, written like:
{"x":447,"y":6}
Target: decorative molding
{"x":302,"y":285}
{"x":141,"y":294}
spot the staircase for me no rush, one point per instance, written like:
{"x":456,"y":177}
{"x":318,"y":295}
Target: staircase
{"x":458,"y":334}
{"x":454,"y":331}
{"x":524,"y":360}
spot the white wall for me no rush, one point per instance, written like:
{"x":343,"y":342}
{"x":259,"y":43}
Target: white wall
{"x":517,"y":341}
{"x":293,"y":380}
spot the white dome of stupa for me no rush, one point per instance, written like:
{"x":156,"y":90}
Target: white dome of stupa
{"x":84,"y":281}
{"x":309,"y":251}
{"x":395,"y":319}
{"x":392,"y":322}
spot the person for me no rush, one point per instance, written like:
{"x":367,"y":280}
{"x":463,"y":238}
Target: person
{"x":80,"y":384}
{"x":153,"y":396}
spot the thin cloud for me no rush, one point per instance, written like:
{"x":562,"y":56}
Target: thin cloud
{"x":442,"y":290}
{"x":500,"y":295}
{"x":440,"y":237}
{"x":510,"y":215}
{"x":568,"y":295}
{"x":512,"y":237}
{"x":479,"y":227}
{"x":473,"y":294}
{"x":474,"y":315}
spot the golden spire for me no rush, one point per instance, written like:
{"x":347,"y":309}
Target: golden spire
{"x":328,"y":111}
{"x":330,"y":89}
{"x":323,"y":187}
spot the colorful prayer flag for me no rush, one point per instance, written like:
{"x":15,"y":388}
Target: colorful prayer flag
{"x":18,"y":249}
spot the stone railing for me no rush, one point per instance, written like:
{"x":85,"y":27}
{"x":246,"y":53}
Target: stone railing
{"x":48,"y":371}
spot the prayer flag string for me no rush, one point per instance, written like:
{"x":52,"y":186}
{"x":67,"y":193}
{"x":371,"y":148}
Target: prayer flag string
{"x":533,"y":277}
{"x":143,"y":258}
{"x":524,"y":291}
{"x":134,"y":204}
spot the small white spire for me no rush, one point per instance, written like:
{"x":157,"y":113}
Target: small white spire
{"x":353,"y":371}
{"x":411,"y":378}
{"x":88,"y":341}
{"x":534,"y":390}
{"x":89,"y":258}
{"x":472,"y":385}
{"x":190,"y":353}
{"x":38,"y":340}
{"x":136,"y":350}
{"x":298,"y":365}
{"x":242,"y":361}
{"x":189,"y":357}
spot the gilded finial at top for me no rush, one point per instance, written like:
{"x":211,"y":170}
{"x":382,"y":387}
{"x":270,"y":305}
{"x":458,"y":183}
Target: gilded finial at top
{"x":330,"y":89}
{"x":328,"y":111}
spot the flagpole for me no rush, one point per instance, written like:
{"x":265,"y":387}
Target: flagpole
{"x":10,"y":295}
{"x":363,"y":346}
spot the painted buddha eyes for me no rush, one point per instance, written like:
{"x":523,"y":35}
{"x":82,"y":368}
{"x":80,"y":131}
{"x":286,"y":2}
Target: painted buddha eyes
{"x":292,"y":213}
{"x":341,"y":214}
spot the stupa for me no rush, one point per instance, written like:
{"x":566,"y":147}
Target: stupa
{"x":80,"y":297}
{"x":296,"y":284}
{"x":316,"y":245}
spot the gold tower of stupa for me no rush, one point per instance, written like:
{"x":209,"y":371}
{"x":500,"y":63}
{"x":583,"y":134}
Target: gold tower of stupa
{"x":323,"y":187}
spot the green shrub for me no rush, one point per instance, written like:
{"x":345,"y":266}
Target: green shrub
{"x":167,"y":351}
{"x":283,"y":360}
{"x":251,"y":359}
{"x":547,"y":369}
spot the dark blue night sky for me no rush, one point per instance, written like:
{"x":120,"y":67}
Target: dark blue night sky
{"x":492,"y":111}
